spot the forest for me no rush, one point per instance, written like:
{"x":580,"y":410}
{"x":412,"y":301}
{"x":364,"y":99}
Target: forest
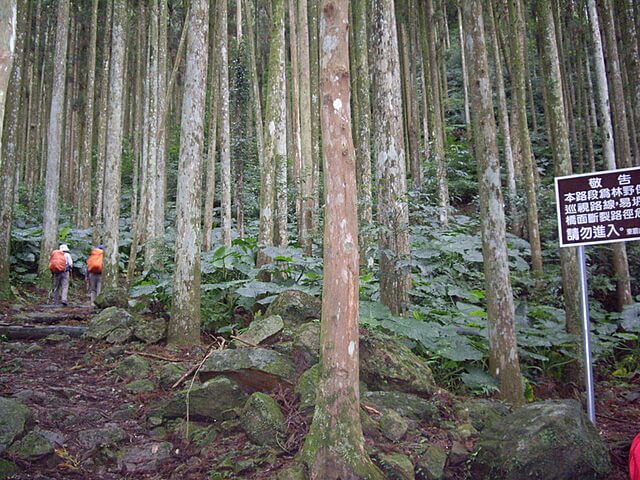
{"x":329,"y":239}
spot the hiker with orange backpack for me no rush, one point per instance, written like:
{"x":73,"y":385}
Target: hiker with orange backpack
{"x":94,"y":267}
{"x":60,"y":264}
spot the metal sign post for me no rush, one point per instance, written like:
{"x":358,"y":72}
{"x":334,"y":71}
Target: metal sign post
{"x":586,"y":340}
{"x":596,"y":208}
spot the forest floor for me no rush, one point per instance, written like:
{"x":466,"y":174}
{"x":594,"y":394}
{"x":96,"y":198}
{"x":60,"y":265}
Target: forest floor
{"x":69,"y":388}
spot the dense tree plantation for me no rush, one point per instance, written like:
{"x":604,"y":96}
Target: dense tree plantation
{"x":385,"y":166}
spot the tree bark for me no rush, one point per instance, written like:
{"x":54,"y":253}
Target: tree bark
{"x":9,"y":37}
{"x":275,"y":131}
{"x":184,"y":326}
{"x":503,"y":355}
{"x":393,"y":213}
{"x":334,"y":447}
{"x":225,"y":128}
{"x":54,"y":145}
{"x":113,"y":160}
{"x":516,"y":27}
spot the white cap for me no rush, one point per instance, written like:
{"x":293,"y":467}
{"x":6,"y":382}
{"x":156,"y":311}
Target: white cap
{"x":64,"y":247}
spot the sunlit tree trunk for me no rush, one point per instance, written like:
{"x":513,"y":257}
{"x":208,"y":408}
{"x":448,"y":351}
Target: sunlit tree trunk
{"x":225,"y":127}
{"x":620,"y":262}
{"x":113,"y":160}
{"x":210,"y":172}
{"x":362,"y":127}
{"x":275,"y":130}
{"x":465,"y":76}
{"x":84,"y":190}
{"x":293,"y":115}
{"x":559,"y":139}
{"x":306,"y":147}
{"x":314,"y":49}
{"x":54,"y":144}
{"x":334,"y":447}
{"x":503,"y":355}
{"x":516,"y":26}
{"x":184,"y":325}
{"x":393,"y":213}
{"x":9,"y":37}
{"x":438,"y":126}
{"x":163,"y":100}
{"x":98,"y":213}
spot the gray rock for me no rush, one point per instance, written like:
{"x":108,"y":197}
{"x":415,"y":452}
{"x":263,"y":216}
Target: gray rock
{"x":295,"y":307}
{"x":169,"y":374}
{"x":134,"y":366}
{"x":306,"y":387}
{"x":458,"y":453}
{"x":32,"y":446}
{"x":306,"y":343}
{"x":141,"y":386}
{"x":258,"y":369}
{"x":388,"y":364}
{"x":7,"y":469}
{"x":13,"y":417}
{"x":112,"y":321}
{"x":480,"y":412}
{"x":116,"y":297}
{"x":262,"y":420}
{"x":145,"y":458}
{"x":261,"y":329}
{"x":106,"y":436}
{"x":396,"y":466}
{"x":393,"y":426}
{"x":552,"y":440}
{"x":57,"y":338}
{"x":430,"y":465}
{"x":150,"y":331}
{"x":406,"y":404}
{"x":218,"y":399}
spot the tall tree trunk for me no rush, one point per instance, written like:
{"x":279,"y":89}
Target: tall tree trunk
{"x":225,"y":127}
{"x":562,"y":161}
{"x":306,"y":147}
{"x":620,"y":262}
{"x":9,"y":37}
{"x":438,"y":125}
{"x":210,"y":172}
{"x":275,"y":131}
{"x":363,"y":125}
{"x":98,"y":212}
{"x":334,"y":447}
{"x":503,"y":355}
{"x":184,"y":326}
{"x":516,"y":26}
{"x":84,"y":191}
{"x":163,"y":105}
{"x":633,"y":67}
{"x":54,"y":146}
{"x":393,"y":213}
{"x":113,"y":160}
{"x":465,"y":76}
{"x":314,"y":49}
{"x":503,"y":111}
{"x":294,"y":116}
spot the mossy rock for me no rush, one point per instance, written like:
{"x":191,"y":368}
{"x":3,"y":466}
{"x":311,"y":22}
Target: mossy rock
{"x":306,"y":387}
{"x":112,"y":297}
{"x":393,"y":425}
{"x":292,"y":472}
{"x":396,"y":466}
{"x":8,"y":469}
{"x":106,"y":436}
{"x":306,"y":343}
{"x":256,"y":369}
{"x":13,"y":418}
{"x":406,"y":404}
{"x":263,"y":420}
{"x":201,"y":434}
{"x":260,"y":330}
{"x":552,"y":440}
{"x":113,"y":324}
{"x":150,"y":331}
{"x":32,"y":446}
{"x":218,"y":399}
{"x":134,"y":366}
{"x":387,"y":364}
{"x":170,"y":373}
{"x":430,"y":465}
{"x":143,"y":385}
{"x":481,"y":412}
{"x":295,"y":307}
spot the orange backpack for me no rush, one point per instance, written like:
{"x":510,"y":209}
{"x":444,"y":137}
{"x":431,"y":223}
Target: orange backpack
{"x":57,"y":262}
{"x":94,"y":262}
